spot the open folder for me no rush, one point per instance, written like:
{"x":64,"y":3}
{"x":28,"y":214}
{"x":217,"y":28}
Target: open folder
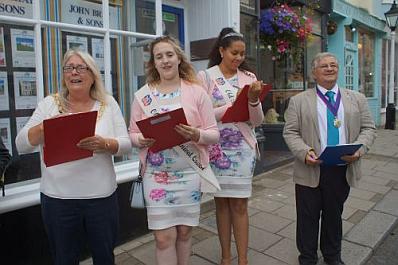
{"x":331,"y":155}
{"x":61,"y":135}
{"x":239,"y":111}
{"x":161,"y":128}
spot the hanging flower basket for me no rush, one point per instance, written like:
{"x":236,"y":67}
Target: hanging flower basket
{"x":283,"y":31}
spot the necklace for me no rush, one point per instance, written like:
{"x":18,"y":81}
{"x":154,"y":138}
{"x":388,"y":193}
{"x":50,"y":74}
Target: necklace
{"x":62,"y":109}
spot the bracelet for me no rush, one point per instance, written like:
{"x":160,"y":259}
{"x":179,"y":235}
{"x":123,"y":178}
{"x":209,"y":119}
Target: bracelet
{"x":255,"y":104}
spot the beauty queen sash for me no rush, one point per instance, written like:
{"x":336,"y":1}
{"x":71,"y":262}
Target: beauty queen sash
{"x":227,"y":90}
{"x":229,"y":94}
{"x":151,"y":107}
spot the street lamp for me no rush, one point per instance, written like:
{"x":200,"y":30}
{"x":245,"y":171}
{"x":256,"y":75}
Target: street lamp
{"x":392,"y":19}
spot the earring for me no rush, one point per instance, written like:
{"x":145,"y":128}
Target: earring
{"x":222,"y":56}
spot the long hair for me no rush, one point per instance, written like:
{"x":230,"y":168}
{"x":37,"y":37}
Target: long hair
{"x":226,"y":41}
{"x":97,"y":90}
{"x":185,"y":68}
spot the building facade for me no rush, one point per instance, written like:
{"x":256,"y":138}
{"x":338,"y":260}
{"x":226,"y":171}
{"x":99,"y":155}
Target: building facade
{"x":364,"y":55}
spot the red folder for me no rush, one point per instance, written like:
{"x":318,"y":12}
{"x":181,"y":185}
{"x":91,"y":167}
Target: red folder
{"x":61,"y":135}
{"x":239,"y":111}
{"x":161,"y":128}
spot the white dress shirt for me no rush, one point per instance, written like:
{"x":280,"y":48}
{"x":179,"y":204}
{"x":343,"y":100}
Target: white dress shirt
{"x":322,"y":118}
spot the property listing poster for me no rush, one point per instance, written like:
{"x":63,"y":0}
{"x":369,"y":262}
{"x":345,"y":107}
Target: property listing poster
{"x":4,"y":104}
{"x":25,"y":90}
{"x":76,"y":42}
{"x":5,"y":133}
{"x":21,"y":121}
{"x":23,"y":48}
{"x":98,"y":52}
{"x":2,"y":48}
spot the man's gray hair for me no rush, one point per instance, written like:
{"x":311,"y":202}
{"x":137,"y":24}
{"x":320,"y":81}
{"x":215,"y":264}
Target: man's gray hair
{"x":319,"y":57}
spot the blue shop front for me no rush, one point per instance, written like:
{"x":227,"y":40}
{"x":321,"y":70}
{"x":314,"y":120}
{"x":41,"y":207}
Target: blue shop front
{"x":363,"y":54}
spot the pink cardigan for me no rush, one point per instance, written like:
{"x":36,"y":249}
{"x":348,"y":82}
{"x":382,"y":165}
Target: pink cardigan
{"x":198,"y":111}
{"x":256,"y":114}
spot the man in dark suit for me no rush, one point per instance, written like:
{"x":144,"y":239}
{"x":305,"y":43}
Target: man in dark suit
{"x":316,"y":118}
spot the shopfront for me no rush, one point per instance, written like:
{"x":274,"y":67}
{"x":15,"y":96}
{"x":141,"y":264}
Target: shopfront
{"x":34,"y":35}
{"x":288,"y":76}
{"x":358,"y":43}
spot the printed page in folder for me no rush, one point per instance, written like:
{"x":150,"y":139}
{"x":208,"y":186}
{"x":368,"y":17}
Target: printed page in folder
{"x":61,"y":134}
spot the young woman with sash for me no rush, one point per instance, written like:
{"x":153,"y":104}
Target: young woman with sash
{"x":174,"y":178}
{"x":233,"y":158}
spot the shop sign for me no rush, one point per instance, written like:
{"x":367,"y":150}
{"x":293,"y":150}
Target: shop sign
{"x":16,"y":8}
{"x":86,"y":13}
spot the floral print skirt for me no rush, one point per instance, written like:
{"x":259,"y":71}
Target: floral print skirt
{"x":172,"y":191}
{"x":232,"y":161}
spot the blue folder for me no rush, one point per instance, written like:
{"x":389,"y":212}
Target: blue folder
{"x":331,"y":155}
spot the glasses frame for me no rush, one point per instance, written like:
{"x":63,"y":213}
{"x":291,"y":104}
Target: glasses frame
{"x":80,"y":69}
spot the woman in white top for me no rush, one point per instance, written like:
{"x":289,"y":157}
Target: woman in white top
{"x":79,"y":197}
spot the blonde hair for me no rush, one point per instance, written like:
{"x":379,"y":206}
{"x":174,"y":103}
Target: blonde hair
{"x":185,"y":68}
{"x":97,"y":90}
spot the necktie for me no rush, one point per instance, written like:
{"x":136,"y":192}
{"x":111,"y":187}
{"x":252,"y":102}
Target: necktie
{"x":333,"y":132}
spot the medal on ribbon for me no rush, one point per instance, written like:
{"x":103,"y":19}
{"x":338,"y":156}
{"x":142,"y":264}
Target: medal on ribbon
{"x":332,"y":107}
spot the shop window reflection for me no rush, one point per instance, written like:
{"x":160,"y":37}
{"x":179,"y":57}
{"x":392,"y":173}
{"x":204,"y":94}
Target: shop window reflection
{"x":366,"y":49}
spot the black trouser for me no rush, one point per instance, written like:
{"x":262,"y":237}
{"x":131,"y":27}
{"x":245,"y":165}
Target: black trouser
{"x":67,"y":221}
{"x":326,"y":202}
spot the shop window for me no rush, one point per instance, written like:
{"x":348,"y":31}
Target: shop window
{"x":248,"y":6}
{"x":366,"y":49}
{"x":287,"y":76}
{"x":12,"y":8}
{"x":384,"y":74}
{"x":349,"y":33}
{"x":247,"y":24}
{"x":18,"y":93}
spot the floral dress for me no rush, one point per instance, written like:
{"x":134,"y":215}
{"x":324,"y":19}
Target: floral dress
{"x":171,"y":185}
{"x":232,"y":159}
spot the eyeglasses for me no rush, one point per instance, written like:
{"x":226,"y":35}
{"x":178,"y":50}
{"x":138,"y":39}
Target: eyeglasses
{"x":81,"y":69}
{"x":326,"y":66}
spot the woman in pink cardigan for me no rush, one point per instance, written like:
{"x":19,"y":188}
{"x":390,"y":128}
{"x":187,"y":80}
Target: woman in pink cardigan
{"x":233,"y":158}
{"x":172,"y":183}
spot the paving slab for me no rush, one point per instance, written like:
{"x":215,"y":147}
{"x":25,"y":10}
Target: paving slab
{"x":389,"y":204}
{"x":256,"y":258}
{"x":287,"y":211}
{"x":265,"y":204}
{"x":261,"y":240}
{"x":363,"y":185}
{"x":362,"y":194}
{"x":348,"y":212}
{"x":359,"y":204}
{"x":269,"y":222}
{"x":145,"y":253}
{"x":354,"y":254}
{"x":209,"y":249}
{"x":196,"y":260}
{"x":285,"y":250}
{"x":371,"y":229}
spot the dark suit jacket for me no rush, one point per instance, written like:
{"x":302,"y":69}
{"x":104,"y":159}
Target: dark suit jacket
{"x":301,"y":132}
{"x":4,"y":157}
